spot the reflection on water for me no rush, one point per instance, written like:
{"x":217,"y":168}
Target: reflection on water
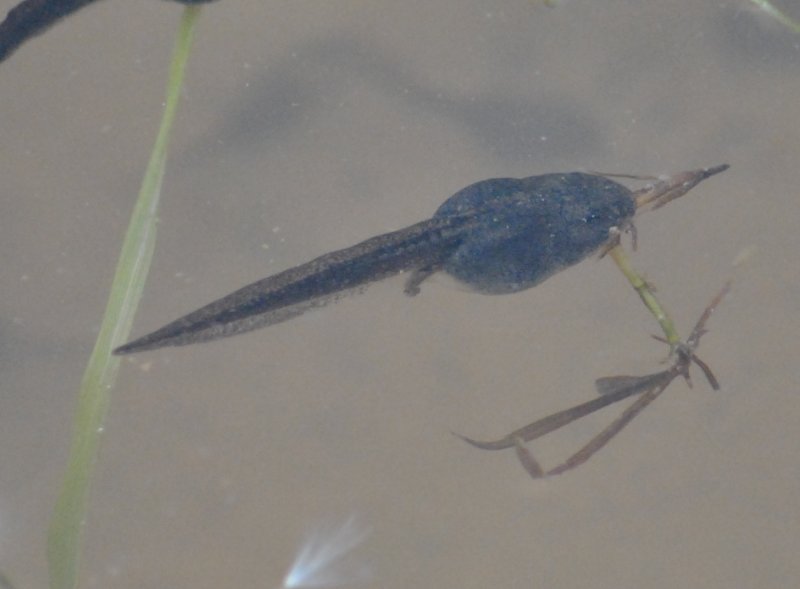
{"x":322,"y":560}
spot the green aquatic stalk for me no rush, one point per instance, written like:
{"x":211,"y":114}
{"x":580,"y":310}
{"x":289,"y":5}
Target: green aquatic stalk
{"x":646,"y":294}
{"x":66,"y":524}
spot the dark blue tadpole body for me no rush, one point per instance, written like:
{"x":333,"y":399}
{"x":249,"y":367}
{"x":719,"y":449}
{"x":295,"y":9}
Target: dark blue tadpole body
{"x":497,"y":236}
{"x":531,"y":228}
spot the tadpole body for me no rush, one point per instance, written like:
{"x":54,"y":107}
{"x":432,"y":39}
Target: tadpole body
{"x":497,"y":236}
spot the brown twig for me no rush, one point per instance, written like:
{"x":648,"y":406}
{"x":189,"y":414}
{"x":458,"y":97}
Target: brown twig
{"x":612,"y":390}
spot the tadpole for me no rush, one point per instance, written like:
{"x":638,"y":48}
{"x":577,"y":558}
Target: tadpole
{"x":497,"y":236}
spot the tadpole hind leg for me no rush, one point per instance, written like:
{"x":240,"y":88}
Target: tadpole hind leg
{"x":417,"y":277}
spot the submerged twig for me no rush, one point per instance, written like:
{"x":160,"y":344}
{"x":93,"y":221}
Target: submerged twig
{"x":616,"y":388}
{"x":667,"y":189}
{"x":612,"y":390}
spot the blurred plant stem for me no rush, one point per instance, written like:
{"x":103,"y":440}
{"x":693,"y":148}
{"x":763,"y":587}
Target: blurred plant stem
{"x":774,"y":12}
{"x":64,"y":538}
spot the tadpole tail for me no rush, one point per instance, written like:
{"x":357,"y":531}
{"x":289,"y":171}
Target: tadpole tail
{"x":33,"y":17}
{"x":30,"y":18}
{"x":314,"y":284}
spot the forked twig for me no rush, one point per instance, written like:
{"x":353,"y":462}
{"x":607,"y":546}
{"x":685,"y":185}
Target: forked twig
{"x":612,"y":390}
{"x":616,"y":388}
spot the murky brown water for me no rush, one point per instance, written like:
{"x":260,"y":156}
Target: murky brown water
{"x":307,"y":126}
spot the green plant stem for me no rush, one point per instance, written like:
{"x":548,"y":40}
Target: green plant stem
{"x":64,"y":538}
{"x":646,"y":294}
